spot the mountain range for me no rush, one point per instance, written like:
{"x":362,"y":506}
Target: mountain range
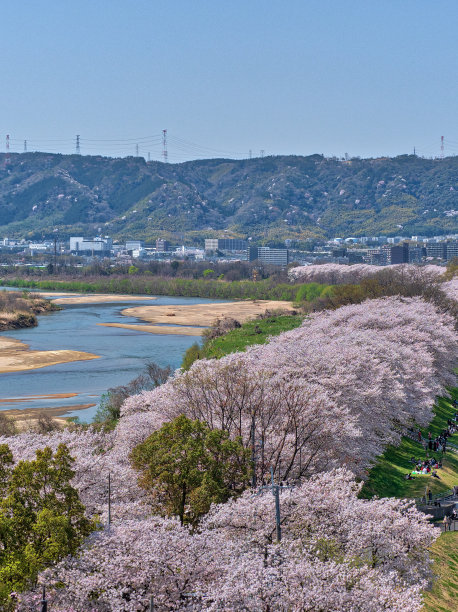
{"x":269,"y":198}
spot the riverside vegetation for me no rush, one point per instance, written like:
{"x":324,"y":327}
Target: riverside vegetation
{"x":19,"y":310}
{"x":335,"y":391}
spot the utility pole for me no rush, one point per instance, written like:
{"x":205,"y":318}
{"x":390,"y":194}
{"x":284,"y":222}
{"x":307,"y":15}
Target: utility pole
{"x":109,"y":499}
{"x":253,"y":452}
{"x":78,"y":149}
{"x":275,"y":488}
{"x":44,"y":601}
{"x":136,"y":150}
{"x":442,"y":147}
{"x":276,"y":493}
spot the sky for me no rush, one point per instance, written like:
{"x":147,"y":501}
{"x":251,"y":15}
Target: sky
{"x":365,"y":78}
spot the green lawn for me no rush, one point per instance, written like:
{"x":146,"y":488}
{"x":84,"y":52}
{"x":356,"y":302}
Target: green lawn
{"x":443,"y":597}
{"x":386,"y":478}
{"x":251,"y":332}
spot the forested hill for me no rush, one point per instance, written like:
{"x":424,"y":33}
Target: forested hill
{"x":270,"y":197}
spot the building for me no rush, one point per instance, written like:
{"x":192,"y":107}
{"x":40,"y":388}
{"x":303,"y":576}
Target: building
{"x":97,"y":245}
{"x":416,"y":254}
{"x":452,"y":250}
{"x":275,"y":257}
{"x":225,"y":244}
{"x":162,"y":245}
{"x":388,"y":255}
{"x":437,"y":250}
{"x":134,"y":245}
{"x":398,"y":254}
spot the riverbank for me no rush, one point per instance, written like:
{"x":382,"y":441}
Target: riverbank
{"x":263,"y":289}
{"x":16,"y":356}
{"x":19,"y":310}
{"x":192,"y":319}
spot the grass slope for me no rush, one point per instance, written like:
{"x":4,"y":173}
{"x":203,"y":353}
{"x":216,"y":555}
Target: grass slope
{"x":251,"y":332}
{"x":443,"y":596}
{"x":386,"y":478}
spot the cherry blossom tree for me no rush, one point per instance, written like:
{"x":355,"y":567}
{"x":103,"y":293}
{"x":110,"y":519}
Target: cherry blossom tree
{"x":336,"y":274}
{"x":331,"y":393}
{"x":337,"y":553}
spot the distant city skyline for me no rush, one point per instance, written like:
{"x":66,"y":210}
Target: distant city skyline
{"x":297,"y":77}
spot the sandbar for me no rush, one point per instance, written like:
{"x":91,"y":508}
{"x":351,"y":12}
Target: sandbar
{"x":15,"y":356}
{"x":95,"y":298}
{"x":180,"y":318}
{"x":27,"y":398}
{"x":177,"y":330}
{"x":27,"y":416}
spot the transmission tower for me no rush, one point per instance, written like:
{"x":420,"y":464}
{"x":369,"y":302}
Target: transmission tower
{"x":250,"y":154}
{"x":164,"y":146}
{"x":78,"y":149}
{"x":442,"y":147}
{"x":7,"y":156}
{"x":136,"y":150}
{"x":149,"y":156}
{"x":261,"y":152}
{"x":25,"y":146}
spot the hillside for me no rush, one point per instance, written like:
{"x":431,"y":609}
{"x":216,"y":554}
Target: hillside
{"x":268,"y":198}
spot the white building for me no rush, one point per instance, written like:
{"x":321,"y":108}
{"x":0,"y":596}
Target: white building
{"x":96,"y":245}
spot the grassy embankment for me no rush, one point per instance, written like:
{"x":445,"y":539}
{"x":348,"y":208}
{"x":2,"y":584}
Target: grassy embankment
{"x":386,"y":479}
{"x":256,"y":331}
{"x":444,"y":593}
{"x":18,"y":310}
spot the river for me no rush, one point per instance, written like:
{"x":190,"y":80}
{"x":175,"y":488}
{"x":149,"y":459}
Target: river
{"x":123,"y":354}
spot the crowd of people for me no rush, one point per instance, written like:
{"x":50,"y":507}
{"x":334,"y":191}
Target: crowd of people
{"x":428,"y":466}
{"x":439,"y":443}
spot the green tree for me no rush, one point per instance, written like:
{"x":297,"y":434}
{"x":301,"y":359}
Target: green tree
{"x":187,"y":467}
{"x":194,"y":352}
{"x":41,"y":517}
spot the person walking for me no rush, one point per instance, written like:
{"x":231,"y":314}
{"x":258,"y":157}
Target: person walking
{"x":430,"y":495}
{"x":447,"y":522}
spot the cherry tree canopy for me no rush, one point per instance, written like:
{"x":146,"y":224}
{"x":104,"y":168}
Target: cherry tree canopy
{"x":337,"y":274}
{"x":317,"y":404}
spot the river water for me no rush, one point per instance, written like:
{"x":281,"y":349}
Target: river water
{"x":123,"y":354}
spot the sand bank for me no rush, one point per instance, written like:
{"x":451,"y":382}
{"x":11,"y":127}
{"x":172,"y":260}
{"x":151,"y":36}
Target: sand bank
{"x":27,"y":398}
{"x":15,"y":356}
{"x":94,"y":298}
{"x":179,"y":318}
{"x":177,"y":330}
{"x":28,"y":416}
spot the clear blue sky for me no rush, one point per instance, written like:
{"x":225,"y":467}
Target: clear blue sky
{"x":367,"y":77}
